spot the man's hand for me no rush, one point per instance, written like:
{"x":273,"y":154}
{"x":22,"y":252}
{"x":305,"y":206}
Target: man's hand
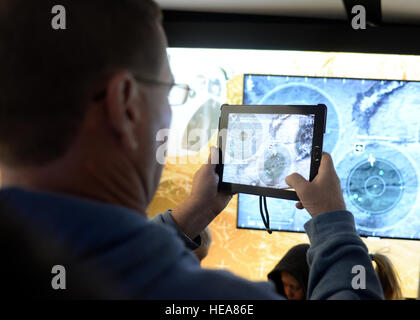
{"x":321,"y":195}
{"x":204,"y":202}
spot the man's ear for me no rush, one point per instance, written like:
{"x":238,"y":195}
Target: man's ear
{"x":123,"y":104}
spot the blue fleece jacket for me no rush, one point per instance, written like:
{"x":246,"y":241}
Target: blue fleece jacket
{"x":153,"y":260}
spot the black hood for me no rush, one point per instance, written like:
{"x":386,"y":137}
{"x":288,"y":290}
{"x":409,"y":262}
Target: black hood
{"x":294,"y":263}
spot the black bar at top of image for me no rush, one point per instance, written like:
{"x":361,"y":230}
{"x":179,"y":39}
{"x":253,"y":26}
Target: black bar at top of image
{"x":239,"y":31}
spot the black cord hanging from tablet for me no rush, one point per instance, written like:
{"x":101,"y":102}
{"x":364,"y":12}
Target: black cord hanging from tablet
{"x":265,"y":216}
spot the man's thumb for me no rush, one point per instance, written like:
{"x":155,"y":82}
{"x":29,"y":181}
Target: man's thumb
{"x":296,"y":181}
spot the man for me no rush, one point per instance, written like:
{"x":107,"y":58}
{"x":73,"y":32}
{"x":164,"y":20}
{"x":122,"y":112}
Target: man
{"x":79,"y":112}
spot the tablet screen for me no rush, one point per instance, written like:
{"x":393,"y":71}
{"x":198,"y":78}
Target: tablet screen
{"x":263,"y":149}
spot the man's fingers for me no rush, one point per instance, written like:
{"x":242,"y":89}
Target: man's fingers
{"x":296,"y":181}
{"x":213,"y":160}
{"x":326,"y":168}
{"x":327,"y":164}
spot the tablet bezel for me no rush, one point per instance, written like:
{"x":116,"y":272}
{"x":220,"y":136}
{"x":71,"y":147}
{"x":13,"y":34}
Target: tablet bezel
{"x":320,"y":113}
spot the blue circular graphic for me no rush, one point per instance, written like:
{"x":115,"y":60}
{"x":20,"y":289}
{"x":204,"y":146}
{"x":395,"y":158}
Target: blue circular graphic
{"x":304,"y":94}
{"x":273,"y":165}
{"x":375,"y":186}
{"x":380,"y":187}
{"x":246,"y":137}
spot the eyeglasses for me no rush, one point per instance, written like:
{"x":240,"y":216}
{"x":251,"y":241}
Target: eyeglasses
{"x":178,"y":93}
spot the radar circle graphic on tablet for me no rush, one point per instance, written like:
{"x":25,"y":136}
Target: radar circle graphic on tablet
{"x":273,"y":165}
{"x":380,"y":187}
{"x":305,"y":94}
{"x":246,"y":136}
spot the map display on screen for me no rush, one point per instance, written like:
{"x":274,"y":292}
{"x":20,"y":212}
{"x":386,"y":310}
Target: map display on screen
{"x":373,"y":134}
{"x":263,"y":149}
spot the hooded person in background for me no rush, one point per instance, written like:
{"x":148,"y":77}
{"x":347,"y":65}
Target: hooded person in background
{"x":291,"y":274}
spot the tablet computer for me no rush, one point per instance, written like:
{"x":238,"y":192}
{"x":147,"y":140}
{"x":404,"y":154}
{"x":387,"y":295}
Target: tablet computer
{"x":261,"y":145}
